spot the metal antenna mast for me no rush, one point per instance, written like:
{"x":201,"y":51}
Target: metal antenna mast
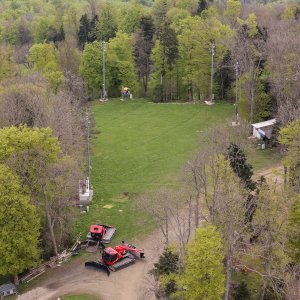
{"x":236,"y":66}
{"x":88,"y":147}
{"x":212,"y":51}
{"x":104,"y":94}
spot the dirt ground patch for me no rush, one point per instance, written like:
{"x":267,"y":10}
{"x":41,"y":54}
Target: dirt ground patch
{"x":127,"y":284}
{"x":272,"y":175}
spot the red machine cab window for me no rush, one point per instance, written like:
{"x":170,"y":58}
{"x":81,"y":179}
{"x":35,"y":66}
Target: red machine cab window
{"x":109,"y":254}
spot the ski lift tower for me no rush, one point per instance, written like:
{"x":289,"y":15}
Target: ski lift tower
{"x":236,"y":122}
{"x":212,"y":96}
{"x":104,"y":94}
{"x":85,"y":185}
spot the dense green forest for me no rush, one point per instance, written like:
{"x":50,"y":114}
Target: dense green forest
{"x":160,"y":50}
{"x":52,"y":54}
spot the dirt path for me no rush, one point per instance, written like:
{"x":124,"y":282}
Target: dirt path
{"x":127,"y":284}
{"x":273,"y":175}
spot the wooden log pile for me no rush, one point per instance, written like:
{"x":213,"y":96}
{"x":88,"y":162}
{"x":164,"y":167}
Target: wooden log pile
{"x":52,"y":263}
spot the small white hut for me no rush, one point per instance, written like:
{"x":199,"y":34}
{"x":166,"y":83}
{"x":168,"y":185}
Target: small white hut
{"x":85,"y":193}
{"x":262,"y":129}
{"x":7,"y":289}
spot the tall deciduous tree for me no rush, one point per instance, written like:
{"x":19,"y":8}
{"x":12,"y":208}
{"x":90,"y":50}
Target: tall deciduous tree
{"x":249,"y":52}
{"x":24,"y":103}
{"x":93,"y":7}
{"x":54,"y":35}
{"x":290,"y":138}
{"x":41,"y":28}
{"x":68,"y":56}
{"x":44,"y":59}
{"x":71,"y":17}
{"x":8,"y":67}
{"x":90,"y":64}
{"x":56,"y":187}
{"x":270,"y":226}
{"x":25,"y":35}
{"x":159,"y":209}
{"x":283,"y":51}
{"x":27,"y":100}
{"x":195,"y":36}
{"x":222,"y":200}
{"x":229,"y":212}
{"x":198,"y":170}
{"x":232,"y":11}
{"x":106,"y":27}
{"x":294,"y":231}
{"x":120,"y":64}
{"x":130,"y":17}
{"x":19,"y":226}
{"x":30,"y":152}
{"x":203,"y":276}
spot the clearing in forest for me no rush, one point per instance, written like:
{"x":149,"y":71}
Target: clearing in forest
{"x":140,"y":145}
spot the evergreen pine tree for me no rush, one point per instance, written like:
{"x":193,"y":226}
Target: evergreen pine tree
{"x":242,"y":292}
{"x":142,"y":50}
{"x":167,"y":263}
{"x":169,"y":42}
{"x":61,"y":35}
{"x":92,"y":35}
{"x":171,"y":45}
{"x":238,"y":163}
{"x":51,"y":35}
{"x":84,"y":31}
{"x":202,"y":6}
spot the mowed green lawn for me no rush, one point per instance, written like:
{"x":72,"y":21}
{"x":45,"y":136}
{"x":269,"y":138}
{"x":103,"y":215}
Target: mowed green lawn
{"x":141,"y":146}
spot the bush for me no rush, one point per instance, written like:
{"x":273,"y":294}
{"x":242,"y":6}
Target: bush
{"x":158,"y":93}
{"x":241,"y":292}
{"x":164,"y":271}
{"x":167,"y":263}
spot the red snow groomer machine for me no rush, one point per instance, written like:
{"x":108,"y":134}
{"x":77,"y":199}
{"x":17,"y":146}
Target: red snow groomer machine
{"x":116,"y":258}
{"x":99,"y":233}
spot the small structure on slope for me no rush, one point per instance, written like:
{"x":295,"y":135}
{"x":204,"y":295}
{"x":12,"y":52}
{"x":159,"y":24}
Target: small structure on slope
{"x":7,"y":290}
{"x":263,"y":130}
{"x":85,"y":193}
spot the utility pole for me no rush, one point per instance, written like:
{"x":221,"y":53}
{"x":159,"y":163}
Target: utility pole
{"x":212,"y":96}
{"x":88,"y":147}
{"x":104,"y":94}
{"x":236,"y":67}
{"x":212,"y":51}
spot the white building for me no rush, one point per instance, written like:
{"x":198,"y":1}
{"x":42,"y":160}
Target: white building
{"x":7,"y":289}
{"x":263,"y":128}
{"x":85,"y":193}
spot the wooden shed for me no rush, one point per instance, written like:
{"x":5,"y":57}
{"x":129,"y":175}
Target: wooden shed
{"x":7,"y":289}
{"x":262,"y":129}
